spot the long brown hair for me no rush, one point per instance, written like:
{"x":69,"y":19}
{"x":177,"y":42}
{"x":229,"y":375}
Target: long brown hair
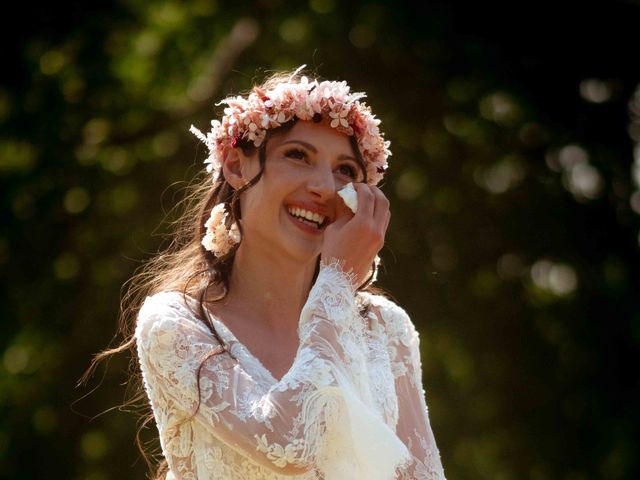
{"x":185,"y":266}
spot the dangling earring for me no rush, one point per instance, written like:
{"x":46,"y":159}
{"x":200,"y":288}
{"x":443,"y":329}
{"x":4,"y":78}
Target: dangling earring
{"x":219,"y":239}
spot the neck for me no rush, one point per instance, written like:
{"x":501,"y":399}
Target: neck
{"x":269,"y":289}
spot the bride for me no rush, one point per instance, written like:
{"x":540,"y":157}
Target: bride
{"x":264,"y":348}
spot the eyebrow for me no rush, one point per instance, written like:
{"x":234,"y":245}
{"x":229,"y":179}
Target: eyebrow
{"x":315,"y":150}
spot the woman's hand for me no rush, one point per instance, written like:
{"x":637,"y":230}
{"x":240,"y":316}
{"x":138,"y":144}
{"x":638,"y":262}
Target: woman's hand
{"x":355,"y":239}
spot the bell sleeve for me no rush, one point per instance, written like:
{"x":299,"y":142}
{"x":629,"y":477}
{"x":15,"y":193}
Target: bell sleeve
{"x":317,"y":416}
{"x":413,"y":426}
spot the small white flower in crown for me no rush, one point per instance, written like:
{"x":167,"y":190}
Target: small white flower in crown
{"x":218,"y":238}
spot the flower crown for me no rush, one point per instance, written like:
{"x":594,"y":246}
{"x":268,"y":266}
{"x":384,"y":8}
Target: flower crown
{"x":249,"y":119}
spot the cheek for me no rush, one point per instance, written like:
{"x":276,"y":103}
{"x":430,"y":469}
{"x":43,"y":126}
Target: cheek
{"x":283,"y":177}
{"x":257,"y":203}
{"x":341,"y":181}
{"x":276,"y":168}
{"x":251,"y":168}
{"x":248,"y":204}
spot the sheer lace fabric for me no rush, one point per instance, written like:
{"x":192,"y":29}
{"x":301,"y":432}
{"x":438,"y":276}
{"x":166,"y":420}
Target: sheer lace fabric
{"x":351,"y":406}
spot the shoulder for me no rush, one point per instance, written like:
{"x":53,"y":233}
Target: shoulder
{"x":165,"y":312}
{"x":395,"y":320}
{"x":164,"y":303}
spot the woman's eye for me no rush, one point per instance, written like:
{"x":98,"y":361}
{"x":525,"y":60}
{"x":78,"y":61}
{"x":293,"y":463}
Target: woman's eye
{"x":295,"y":153}
{"x":348,"y":170}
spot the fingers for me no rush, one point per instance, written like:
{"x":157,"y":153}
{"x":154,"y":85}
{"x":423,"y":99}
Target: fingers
{"x":372,"y":203}
{"x":381,"y":207}
{"x":366,"y":201}
{"x":386,"y":223}
{"x":373,"y":212}
{"x":342,"y":210}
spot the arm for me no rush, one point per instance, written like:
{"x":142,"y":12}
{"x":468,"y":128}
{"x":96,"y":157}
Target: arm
{"x":296,"y":425}
{"x":413,"y":427}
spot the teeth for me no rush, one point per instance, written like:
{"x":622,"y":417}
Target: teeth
{"x":306,"y":214}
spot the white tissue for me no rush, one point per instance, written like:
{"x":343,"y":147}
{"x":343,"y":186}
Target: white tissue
{"x":350,"y":197}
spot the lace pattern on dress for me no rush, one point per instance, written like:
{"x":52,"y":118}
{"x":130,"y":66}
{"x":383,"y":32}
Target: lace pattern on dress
{"x":337,"y":413}
{"x":404,"y":352}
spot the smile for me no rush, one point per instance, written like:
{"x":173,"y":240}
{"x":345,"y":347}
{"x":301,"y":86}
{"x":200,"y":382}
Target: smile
{"x":309,"y":221}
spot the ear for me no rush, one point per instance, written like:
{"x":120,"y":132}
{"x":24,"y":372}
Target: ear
{"x":232,"y":167}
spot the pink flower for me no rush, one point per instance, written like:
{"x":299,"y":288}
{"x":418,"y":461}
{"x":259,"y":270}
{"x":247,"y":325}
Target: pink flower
{"x":339,"y":118}
{"x":218,"y":239}
{"x":217,"y":215}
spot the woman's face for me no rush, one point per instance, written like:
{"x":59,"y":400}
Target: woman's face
{"x":304,"y":169}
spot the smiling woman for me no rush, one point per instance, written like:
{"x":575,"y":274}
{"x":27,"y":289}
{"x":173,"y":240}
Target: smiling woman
{"x":265,"y":351}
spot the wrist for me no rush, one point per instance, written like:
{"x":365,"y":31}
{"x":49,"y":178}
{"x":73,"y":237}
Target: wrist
{"x":340,"y":270}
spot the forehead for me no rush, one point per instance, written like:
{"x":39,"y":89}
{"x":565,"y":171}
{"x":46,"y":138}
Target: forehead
{"x":321,"y":135}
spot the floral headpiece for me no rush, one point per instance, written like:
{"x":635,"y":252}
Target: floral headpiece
{"x":249,"y":119}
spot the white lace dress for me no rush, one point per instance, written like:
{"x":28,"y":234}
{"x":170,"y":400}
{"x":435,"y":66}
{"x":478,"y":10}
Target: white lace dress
{"x":352,"y":405}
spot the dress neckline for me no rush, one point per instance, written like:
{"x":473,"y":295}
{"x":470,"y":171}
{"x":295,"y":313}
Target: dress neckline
{"x":248,"y":354}
{"x":230,"y":336}
{"x":243,"y":347}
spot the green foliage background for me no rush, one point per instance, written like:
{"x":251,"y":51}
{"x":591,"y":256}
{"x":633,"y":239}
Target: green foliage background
{"x":513,"y":243}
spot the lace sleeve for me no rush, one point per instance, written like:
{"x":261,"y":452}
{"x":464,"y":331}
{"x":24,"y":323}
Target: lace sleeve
{"x":315,"y":417}
{"x":413,"y":427}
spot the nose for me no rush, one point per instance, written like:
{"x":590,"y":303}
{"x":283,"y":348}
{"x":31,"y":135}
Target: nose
{"x":322,"y":184}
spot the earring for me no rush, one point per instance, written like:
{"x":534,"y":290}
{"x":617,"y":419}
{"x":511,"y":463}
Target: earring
{"x":218,"y":238}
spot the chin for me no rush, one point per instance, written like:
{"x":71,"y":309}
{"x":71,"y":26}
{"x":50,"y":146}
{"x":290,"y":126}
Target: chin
{"x":304,"y":252}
